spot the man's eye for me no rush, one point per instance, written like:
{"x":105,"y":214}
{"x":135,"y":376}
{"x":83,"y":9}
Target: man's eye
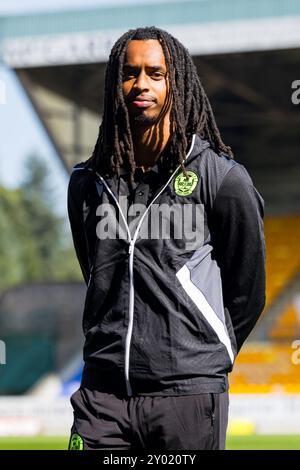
{"x":128,"y":74}
{"x":157,"y":74}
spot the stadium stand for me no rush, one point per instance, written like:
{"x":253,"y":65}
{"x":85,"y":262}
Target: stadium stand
{"x":29,"y":356}
{"x":40,"y":338}
{"x":283,"y":254}
{"x":287,"y":326}
{"x":266,"y":368}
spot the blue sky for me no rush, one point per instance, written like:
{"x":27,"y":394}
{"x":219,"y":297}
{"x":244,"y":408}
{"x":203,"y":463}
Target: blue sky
{"x":22,"y":134}
{"x":20,"y":6}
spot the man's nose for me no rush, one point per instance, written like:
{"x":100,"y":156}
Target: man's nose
{"x":141,"y":81}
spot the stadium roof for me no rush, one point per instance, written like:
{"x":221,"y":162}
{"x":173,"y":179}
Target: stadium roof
{"x":205,"y":26}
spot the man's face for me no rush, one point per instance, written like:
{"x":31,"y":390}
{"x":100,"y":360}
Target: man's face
{"x":145,"y":84}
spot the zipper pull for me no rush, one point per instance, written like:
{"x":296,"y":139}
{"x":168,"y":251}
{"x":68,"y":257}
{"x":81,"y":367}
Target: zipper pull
{"x":130,"y":246}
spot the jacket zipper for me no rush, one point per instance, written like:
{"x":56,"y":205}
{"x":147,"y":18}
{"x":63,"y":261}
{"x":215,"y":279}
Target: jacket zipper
{"x":131,"y":290}
{"x":131,"y":253}
{"x":91,"y":270}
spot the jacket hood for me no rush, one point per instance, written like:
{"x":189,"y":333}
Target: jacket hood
{"x":197,"y":146}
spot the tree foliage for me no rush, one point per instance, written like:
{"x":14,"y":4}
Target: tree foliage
{"x":35,"y":242}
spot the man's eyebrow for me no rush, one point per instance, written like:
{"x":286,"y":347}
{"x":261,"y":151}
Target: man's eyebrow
{"x":156,"y":67}
{"x":153,"y":67}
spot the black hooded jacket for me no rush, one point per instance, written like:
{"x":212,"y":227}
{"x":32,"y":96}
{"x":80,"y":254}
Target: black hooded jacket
{"x":167,"y":316}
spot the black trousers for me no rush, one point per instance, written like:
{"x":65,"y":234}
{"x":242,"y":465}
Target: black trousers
{"x":106,"y":421}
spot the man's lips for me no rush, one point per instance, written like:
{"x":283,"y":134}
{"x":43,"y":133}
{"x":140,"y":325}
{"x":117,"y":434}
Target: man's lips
{"x":142,"y":104}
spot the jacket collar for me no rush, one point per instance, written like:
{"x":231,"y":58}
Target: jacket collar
{"x":197,"y":145}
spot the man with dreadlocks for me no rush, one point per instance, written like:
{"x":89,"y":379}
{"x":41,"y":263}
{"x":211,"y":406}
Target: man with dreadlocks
{"x":167,"y":311}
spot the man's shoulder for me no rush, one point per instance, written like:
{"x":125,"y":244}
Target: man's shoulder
{"x":82,"y":180}
{"x":84,"y":165}
{"x":81,"y":171}
{"x":213,"y":166}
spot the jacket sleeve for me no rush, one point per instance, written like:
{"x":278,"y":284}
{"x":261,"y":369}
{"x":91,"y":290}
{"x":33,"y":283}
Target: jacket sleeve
{"x":75,"y":200}
{"x":239,"y":245}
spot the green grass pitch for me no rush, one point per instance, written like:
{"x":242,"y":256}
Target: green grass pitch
{"x":285,"y":442}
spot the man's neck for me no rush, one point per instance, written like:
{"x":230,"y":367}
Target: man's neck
{"x":149,"y":144}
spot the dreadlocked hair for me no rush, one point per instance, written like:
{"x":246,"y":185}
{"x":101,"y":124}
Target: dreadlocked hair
{"x":190,"y":113}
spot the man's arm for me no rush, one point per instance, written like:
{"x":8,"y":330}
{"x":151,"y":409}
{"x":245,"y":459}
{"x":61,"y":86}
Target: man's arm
{"x":75,"y":200}
{"x":239,"y":245}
